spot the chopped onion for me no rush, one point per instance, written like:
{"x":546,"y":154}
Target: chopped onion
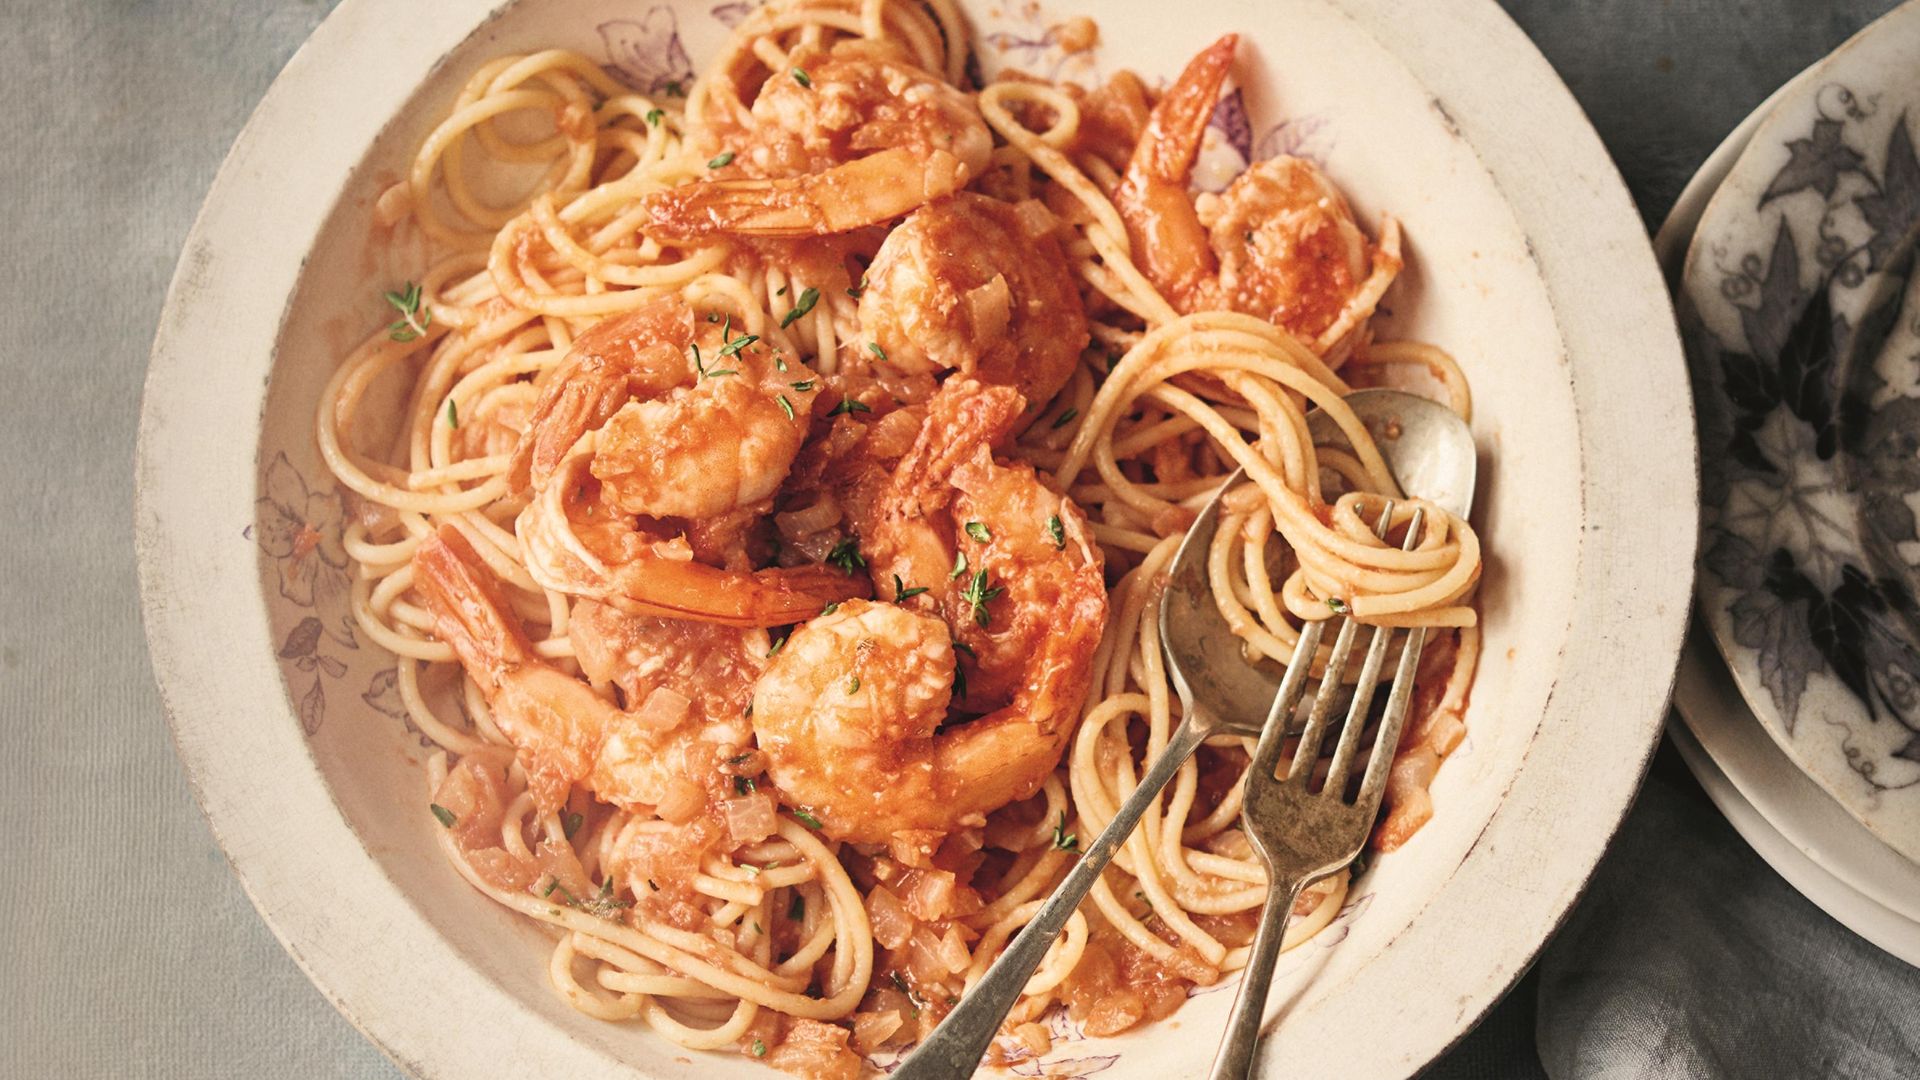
{"x":954,"y":954}
{"x":891,"y":923}
{"x":664,"y":709}
{"x":1034,"y":1038}
{"x":929,"y":894}
{"x":824,"y":514}
{"x":871,"y":1030}
{"x":923,"y":957}
{"x":750,"y":819}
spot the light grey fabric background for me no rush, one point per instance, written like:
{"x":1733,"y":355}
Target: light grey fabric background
{"x":129,"y":950}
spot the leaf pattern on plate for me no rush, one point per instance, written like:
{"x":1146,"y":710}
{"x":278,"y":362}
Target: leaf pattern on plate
{"x":1808,"y":454}
{"x":646,"y":53}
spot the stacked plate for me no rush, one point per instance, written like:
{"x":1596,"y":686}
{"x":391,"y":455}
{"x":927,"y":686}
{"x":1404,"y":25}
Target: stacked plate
{"x":1793,"y":256}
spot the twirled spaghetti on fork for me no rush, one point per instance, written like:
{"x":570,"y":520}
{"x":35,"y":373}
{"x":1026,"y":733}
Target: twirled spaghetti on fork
{"x":773,"y":536}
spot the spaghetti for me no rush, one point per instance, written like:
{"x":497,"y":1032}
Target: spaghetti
{"x":530,"y":585}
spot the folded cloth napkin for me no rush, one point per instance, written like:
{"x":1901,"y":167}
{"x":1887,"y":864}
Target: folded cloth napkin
{"x":1689,"y":957}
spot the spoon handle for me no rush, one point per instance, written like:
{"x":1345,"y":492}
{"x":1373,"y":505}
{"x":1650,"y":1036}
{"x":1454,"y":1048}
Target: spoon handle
{"x":1235,"y":1058}
{"x":955,"y":1048}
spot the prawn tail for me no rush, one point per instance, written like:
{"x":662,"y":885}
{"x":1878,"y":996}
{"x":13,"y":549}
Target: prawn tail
{"x":470,"y":609}
{"x":867,"y":191}
{"x":1178,"y":123}
{"x":777,"y":596}
{"x":1163,"y":231}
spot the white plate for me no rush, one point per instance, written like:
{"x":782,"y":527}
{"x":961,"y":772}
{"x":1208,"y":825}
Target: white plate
{"x":1810,"y":558}
{"x":1527,"y":259}
{"x":1792,"y":823}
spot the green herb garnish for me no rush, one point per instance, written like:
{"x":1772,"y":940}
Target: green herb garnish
{"x":978,"y":531}
{"x":414,"y":317}
{"x":806,"y":819}
{"x":846,"y":555}
{"x":786,"y":406}
{"x":722,"y":161}
{"x":1065,"y":418}
{"x":901,"y":592}
{"x":800,"y":76}
{"x":977,"y":594}
{"x":445,"y":815}
{"x":1057,"y":533}
{"x":808,"y":297}
{"x":848,"y":405}
{"x":959,"y":565}
{"x":1063,"y":839}
{"x":453,"y":415}
{"x":654,"y":116}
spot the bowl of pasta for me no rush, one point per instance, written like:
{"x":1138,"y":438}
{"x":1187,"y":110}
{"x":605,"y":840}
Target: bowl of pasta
{"x":676,"y":577}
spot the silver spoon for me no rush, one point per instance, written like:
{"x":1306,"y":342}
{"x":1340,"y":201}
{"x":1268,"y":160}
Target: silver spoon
{"x":1430,"y":452}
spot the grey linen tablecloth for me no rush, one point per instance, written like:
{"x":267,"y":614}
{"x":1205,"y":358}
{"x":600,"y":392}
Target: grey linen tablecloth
{"x":129,"y":949}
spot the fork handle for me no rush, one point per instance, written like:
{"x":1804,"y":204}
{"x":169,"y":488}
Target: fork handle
{"x":955,"y":1048}
{"x":1235,"y":1058}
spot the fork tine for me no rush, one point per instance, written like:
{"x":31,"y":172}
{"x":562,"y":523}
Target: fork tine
{"x":1356,"y":721}
{"x":1315,"y":734}
{"x":1364,"y":690}
{"x":1308,"y":752}
{"x":1273,"y":734}
{"x":1387,"y":743}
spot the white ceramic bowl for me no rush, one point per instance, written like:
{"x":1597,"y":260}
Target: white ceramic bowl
{"x":1526,"y":259}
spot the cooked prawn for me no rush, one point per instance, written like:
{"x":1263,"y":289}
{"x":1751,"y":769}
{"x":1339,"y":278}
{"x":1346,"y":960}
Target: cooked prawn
{"x":693,"y":427}
{"x":850,"y":715}
{"x":1007,"y":562}
{"x":974,"y":285}
{"x":985,"y":562}
{"x":686,"y":685}
{"x":865,"y":139}
{"x":691,"y":422}
{"x":574,"y":544}
{"x":1280,"y":243}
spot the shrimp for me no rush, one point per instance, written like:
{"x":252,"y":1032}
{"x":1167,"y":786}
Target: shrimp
{"x":1007,"y":562}
{"x":649,"y":567}
{"x":864,"y":139}
{"x":1280,"y":243}
{"x":691,"y":422}
{"x":686,"y":685}
{"x":974,"y":285}
{"x":1000,"y":604}
{"x":694,"y":427}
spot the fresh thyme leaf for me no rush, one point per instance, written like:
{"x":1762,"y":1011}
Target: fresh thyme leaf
{"x":830,"y":608}
{"x":959,"y":676}
{"x":806,"y":819}
{"x":786,"y":406}
{"x":846,"y":555}
{"x":743,"y":785}
{"x":414,"y":318}
{"x":445,"y":815}
{"x":732,"y":347}
{"x":959,"y":565}
{"x":673,"y":89}
{"x":877,"y":350}
{"x":779,"y":362}
{"x":961,"y":646}
{"x":453,"y":415}
{"x":901,"y":592}
{"x":551,"y":885}
{"x":724,"y":159}
{"x":740,"y":758}
{"x":848,"y":405}
{"x":654,"y":116}
{"x":803,"y":385}
{"x":781,"y":291}
{"x":778,"y":644}
{"x":978,"y":531}
{"x":1057,"y":533}
{"x":759,"y":1048}
{"x":853,"y":685}
{"x":977,"y":594}
{"x":571,"y":824}
{"x":1337,"y":605}
{"x":808,"y":297}
{"x":800,"y":76}
{"x":1065,"y":418}
{"x":1063,"y":839}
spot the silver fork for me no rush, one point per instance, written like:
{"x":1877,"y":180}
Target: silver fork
{"x":1302,"y":835}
